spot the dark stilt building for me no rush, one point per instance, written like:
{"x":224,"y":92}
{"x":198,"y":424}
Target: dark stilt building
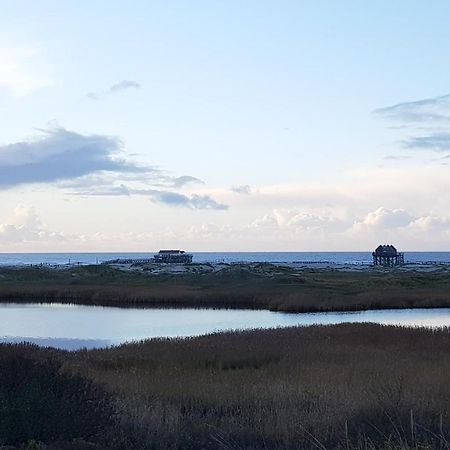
{"x":388,"y":256}
{"x":173,"y":256}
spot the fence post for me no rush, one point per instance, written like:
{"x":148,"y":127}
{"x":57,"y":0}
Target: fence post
{"x":411,"y":422}
{"x":347,"y":444}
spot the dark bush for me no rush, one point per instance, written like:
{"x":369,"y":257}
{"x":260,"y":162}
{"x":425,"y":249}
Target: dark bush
{"x":39,"y":403}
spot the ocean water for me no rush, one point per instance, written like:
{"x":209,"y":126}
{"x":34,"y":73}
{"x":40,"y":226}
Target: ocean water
{"x":357,"y":258}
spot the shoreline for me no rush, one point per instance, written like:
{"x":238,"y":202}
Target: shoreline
{"x":157,"y":267}
{"x":239,"y":286}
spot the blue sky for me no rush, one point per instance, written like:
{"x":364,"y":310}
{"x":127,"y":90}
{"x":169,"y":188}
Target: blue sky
{"x":224,"y":125}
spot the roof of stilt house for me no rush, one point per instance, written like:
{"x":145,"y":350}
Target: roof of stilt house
{"x":385,"y":250}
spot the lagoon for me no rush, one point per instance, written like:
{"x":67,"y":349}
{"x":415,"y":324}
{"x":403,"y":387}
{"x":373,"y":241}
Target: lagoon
{"x":73,"y":327}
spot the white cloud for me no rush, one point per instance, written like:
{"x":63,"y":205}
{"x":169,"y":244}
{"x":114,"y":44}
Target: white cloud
{"x":23,"y":70}
{"x":25,"y":226}
{"x":407,"y":207}
{"x":383,"y":218}
{"x":431,"y":225}
{"x":282,"y":231}
{"x":266,"y":222}
{"x":292,"y":221}
{"x":25,"y":231}
{"x":279,"y":230}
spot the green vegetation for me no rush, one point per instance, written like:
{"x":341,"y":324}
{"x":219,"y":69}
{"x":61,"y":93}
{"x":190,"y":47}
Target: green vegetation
{"x":354,"y":386}
{"x":240,"y":286}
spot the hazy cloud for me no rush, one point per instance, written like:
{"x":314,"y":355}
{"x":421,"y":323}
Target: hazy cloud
{"x":105,"y":191}
{"x":25,"y":226}
{"x":183,"y":180}
{"x":23,"y":69}
{"x":430,"y":118}
{"x":170,"y":198}
{"x":396,"y":157}
{"x":439,"y":142}
{"x":435,"y":109}
{"x":114,"y":89}
{"x":193,"y":201}
{"x":107,"y":183}
{"x":93,"y":96}
{"x":244,"y":189}
{"x":123,"y":85}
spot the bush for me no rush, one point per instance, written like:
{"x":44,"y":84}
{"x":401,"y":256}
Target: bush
{"x":39,"y":403}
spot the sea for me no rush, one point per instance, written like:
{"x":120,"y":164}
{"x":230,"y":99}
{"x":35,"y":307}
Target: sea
{"x":307,"y":258}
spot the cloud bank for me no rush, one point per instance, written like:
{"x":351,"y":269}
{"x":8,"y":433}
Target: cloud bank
{"x":357,"y":212}
{"x":60,"y":155}
{"x":92,"y":165}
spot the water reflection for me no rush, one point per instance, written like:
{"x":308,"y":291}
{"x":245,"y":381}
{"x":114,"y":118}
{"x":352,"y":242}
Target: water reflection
{"x":61,"y":343}
{"x":74,"y":326}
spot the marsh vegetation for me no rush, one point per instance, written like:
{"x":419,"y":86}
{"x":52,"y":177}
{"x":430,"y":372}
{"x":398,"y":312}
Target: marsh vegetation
{"x":250,"y":286}
{"x":351,"y":386}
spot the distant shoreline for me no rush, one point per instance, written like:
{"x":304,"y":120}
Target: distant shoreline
{"x":310,"y":258}
{"x":274,"y":287}
{"x":129,"y":264}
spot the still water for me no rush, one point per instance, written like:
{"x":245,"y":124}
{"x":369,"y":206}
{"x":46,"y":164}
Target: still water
{"x":73,"y":327}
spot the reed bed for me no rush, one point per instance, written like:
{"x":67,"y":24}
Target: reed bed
{"x":255,"y":286}
{"x":349,"y":386}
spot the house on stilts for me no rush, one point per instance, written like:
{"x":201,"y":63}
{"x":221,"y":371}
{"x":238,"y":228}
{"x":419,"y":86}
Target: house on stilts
{"x":387,"y":256}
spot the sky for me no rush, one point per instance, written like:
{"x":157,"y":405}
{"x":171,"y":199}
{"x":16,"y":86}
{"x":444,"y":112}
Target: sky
{"x":224,"y":126}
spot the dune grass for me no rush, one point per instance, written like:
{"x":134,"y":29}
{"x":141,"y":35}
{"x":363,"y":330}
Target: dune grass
{"x":350,"y":386}
{"x":253,"y":286}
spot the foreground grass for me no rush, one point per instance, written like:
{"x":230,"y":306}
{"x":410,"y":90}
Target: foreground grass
{"x":353,"y":386}
{"x":250,"y":286}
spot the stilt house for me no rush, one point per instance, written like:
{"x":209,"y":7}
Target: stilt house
{"x":388,"y":256}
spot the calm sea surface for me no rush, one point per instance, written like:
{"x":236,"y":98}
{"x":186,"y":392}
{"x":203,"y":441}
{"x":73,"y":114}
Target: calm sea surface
{"x":73,"y":326}
{"x":274,"y":257}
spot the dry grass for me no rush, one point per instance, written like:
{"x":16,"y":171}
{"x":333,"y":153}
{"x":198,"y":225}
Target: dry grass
{"x":336,"y":387}
{"x":357,"y":386}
